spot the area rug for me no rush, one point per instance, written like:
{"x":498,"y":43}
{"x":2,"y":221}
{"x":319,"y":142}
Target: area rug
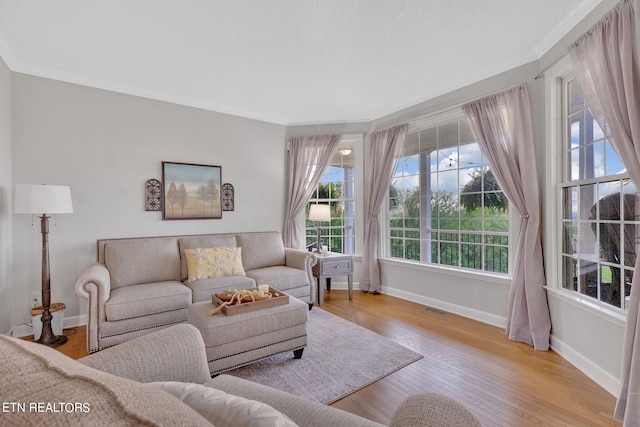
{"x":340,"y":358}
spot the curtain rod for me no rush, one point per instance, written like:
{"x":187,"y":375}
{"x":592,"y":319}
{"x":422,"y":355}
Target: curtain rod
{"x":554,"y":62}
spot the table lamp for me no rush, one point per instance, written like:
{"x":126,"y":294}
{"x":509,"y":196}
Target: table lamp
{"x":43,"y":200}
{"x":319,"y":213}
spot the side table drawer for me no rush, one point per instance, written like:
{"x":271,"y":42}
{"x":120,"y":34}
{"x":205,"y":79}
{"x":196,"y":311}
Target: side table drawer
{"x":332,"y":268}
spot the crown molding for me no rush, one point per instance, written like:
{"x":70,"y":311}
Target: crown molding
{"x":565,"y":27}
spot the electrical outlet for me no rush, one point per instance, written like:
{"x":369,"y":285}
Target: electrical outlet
{"x":35,"y":299}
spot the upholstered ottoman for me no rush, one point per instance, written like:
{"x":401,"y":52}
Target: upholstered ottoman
{"x":240,"y":339}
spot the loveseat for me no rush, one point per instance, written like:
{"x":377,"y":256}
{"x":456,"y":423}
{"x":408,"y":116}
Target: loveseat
{"x":141,"y":284}
{"x":162,"y":379}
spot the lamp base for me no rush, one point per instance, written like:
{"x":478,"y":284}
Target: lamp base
{"x":52,"y":341}
{"x":47,"y":337}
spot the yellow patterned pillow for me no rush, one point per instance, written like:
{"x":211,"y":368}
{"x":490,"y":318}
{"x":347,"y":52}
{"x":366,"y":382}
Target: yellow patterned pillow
{"x":203,"y":263}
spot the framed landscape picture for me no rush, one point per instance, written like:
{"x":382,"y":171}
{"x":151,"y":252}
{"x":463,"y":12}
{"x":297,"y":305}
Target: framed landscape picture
{"x":191,"y":191}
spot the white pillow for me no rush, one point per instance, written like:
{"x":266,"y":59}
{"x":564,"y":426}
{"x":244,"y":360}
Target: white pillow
{"x":222,"y":409}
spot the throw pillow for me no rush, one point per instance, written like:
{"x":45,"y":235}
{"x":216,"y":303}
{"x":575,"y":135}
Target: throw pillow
{"x":222,"y":409}
{"x":203,"y":263}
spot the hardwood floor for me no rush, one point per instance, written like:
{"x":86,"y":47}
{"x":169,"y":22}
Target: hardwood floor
{"x":502,"y":382}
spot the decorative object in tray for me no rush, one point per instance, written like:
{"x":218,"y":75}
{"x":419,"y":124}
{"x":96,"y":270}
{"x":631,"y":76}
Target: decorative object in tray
{"x":236,"y":301}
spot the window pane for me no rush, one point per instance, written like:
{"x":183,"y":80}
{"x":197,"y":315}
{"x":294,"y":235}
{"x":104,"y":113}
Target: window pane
{"x":575,"y":98}
{"x":631,"y":205}
{"x":587,"y":198}
{"x":570,"y":203}
{"x":471,"y":156}
{"x":575,"y":131}
{"x":471,"y":256}
{"x":574,"y":165}
{"x":570,"y":273}
{"x":610,"y":285}
{"x":496,"y":259}
{"x":588,"y":279}
{"x":570,"y":238}
{"x":337,"y":189}
{"x":614,"y":165}
{"x":599,"y":227}
{"x":599,"y":159}
{"x":631,"y":243}
{"x":451,"y":205}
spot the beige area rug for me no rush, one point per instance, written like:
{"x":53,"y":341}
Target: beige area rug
{"x":340,"y":358}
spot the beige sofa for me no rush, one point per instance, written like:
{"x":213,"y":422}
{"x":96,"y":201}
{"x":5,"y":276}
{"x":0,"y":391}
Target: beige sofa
{"x":140,"y":284}
{"x":40,"y":386}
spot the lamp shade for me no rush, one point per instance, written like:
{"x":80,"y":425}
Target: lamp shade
{"x":319,"y":213}
{"x":42,"y":199}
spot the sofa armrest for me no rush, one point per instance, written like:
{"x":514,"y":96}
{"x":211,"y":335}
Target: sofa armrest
{"x":95,"y":285}
{"x":300,"y":259}
{"x":432,"y":410}
{"x":98,"y":275}
{"x":176,"y":353}
{"x":303,"y":260}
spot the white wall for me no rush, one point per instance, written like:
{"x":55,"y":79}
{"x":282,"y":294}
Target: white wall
{"x":5,"y":196}
{"x":105,"y":146}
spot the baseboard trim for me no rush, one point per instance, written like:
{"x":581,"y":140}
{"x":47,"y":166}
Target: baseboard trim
{"x":74,"y":321}
{"x":460,"y":310}
{"x":604,"y":379}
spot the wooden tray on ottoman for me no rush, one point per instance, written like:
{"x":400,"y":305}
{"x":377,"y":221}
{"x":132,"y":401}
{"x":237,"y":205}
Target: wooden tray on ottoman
{"x":278,"y":298}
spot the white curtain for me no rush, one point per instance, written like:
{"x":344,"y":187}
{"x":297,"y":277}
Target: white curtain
{"x":381,"y":160}
{"x":502,"y":127}
{"x":307,"y":158}
{"x":605,"y":60}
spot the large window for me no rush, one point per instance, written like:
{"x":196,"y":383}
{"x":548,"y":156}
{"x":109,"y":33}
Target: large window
{"x":336,"y":188}
{"x":445,"y":206}
{"x":599,"y":205}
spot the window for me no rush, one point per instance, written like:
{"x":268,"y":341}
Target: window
{"x":337,"y":188}
{"x":600,"y":229}
{"x":445,"y":206}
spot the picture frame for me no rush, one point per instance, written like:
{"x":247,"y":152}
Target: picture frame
{"x":191,"y":191}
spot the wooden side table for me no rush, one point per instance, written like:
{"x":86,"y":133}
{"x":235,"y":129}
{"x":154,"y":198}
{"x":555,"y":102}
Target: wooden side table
{"x":330,"y":265}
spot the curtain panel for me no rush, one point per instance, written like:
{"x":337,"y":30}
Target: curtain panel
{"x":307,"y":159}
{"x":502,"y":127}
{"x":381,"y":160}
{"x":605,"y":60}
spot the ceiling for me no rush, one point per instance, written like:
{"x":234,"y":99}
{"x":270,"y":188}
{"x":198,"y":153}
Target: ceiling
{"x":283,"y":61}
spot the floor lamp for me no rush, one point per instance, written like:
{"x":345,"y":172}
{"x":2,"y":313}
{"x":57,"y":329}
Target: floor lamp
{"x":319,"y":213}
{"x":43,"y":200}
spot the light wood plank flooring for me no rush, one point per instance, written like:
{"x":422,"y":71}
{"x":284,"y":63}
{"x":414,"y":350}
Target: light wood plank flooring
{"x":502,"y":382}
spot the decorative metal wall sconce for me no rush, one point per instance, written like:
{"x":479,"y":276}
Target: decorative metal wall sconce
{"x":228,"y":195}
{"x":153,"y":194}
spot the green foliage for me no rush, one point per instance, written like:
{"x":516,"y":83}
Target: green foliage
{"x":332,"y":233}
{"x":483,"y":185}
{"x":457,"y":234}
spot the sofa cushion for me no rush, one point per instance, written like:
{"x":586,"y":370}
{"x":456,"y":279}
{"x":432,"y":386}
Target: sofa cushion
{"x":206,"y":241}
{"x":135,"y":261}
{"x":203,"y":263}
{"x":225,"y":410}
{"x":146,"y":299}
{"x":37,"y":376}
{"x":203,"y":290}
{"x":279,"y":277}
{"x":261,"y":249}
